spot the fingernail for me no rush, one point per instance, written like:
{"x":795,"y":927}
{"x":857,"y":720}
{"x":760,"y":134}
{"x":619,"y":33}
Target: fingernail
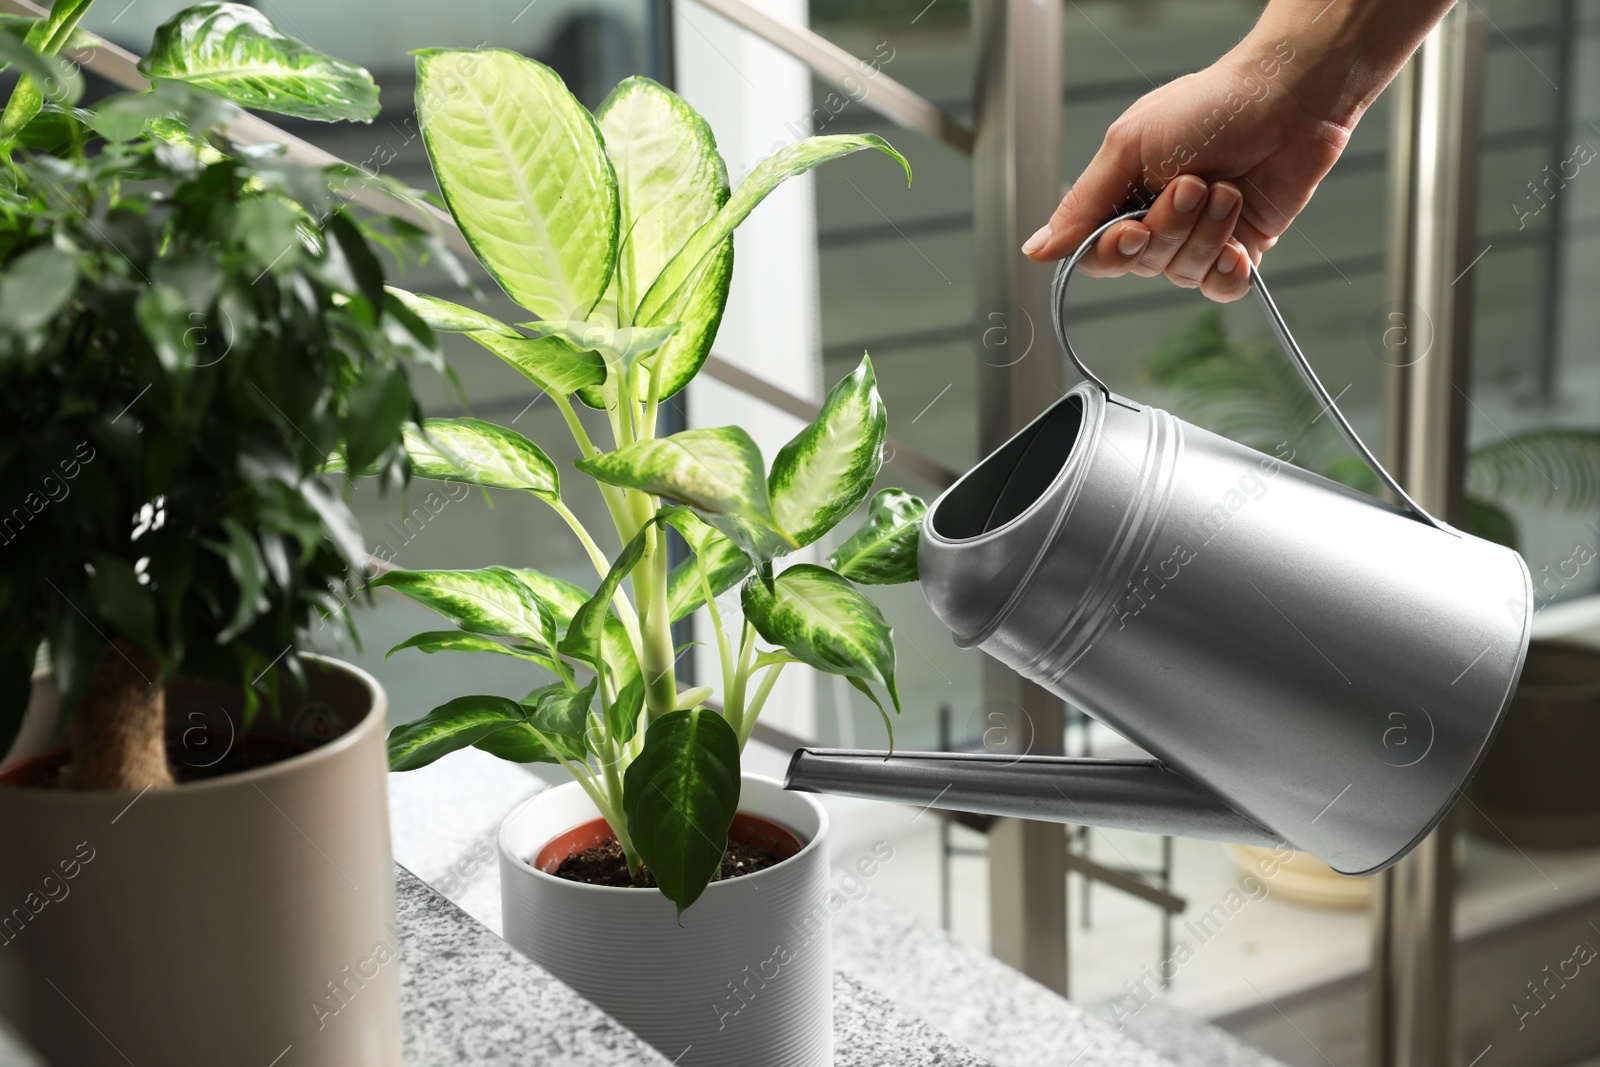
{"x":1228,"y":262}
{"x":1223,"y":198}
{"x":1036,"y":242}
{"x":1188,"y":195}
{"x":1132,"y":242}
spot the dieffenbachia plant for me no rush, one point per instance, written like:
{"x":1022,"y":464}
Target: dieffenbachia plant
{"x":615,"y":230}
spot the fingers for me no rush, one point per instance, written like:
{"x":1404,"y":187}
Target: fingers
{"x":1212,"y":226}
{"x":1147,"y":246}
{"x":1229,"y":277}
{"x":1094,"y":197}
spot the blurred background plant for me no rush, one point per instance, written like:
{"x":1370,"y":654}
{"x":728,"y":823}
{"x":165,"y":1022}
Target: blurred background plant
{"x":188,"y":327}
{"x":1250,"y":392}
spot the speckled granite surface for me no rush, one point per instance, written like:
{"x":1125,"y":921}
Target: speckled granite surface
{"x":1006,"y":1018}
{"x":470,"y":998}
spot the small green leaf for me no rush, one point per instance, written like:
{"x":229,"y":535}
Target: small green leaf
{"x":462,"y":722}
{"x":123,"y":602}
{"x":717,"y":470}
{"x":883,"y":550}
{"x":236,"y":52}
{"x":521,"y":164}
{"x":481,"y":453}
{"x":487,"y":601}
{"x":249,"y":572}
{"x":821,"y":475}
{"x":548,"y":362}
{"x":564,"y":599}
{"x":621,"y":348}
{"x":584,"y":639}
{"x":379,"y":405}
{"x":679,"y":798}
{"x":684,"y":271}
{"x":446,"y":317}
{"x":622,"y":716}
{"x":460,"y":641}
{"x":823,"y":621}
{"x":562,"y":716}
{"x":35,"y":287}
{"x":726,"y":564}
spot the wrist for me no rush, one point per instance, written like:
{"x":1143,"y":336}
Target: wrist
{"x":1334,"y":58}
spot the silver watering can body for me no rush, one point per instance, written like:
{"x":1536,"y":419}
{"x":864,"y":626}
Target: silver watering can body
{"x":1306,"y":664}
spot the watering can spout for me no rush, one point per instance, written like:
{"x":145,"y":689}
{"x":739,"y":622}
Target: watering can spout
{"x":1122,"y":794}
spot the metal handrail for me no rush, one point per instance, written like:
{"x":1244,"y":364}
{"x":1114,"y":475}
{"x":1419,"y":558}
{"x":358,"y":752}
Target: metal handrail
{"x":121,"y":67}
{"x":838,"y":67}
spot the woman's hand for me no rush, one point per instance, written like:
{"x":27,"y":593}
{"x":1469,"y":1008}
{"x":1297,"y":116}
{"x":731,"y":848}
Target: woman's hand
{"x":1228,"y":156}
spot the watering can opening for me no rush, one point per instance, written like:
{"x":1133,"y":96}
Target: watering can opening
{"x":1013,"y":478}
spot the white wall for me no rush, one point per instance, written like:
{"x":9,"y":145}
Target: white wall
{"x":756,"y":99}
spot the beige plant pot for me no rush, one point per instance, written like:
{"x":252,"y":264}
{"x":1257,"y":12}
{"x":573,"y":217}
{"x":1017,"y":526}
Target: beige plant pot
{"x":241,"y":919}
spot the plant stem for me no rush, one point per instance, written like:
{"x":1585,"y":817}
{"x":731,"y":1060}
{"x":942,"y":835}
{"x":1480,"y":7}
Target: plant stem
{"x":758,"y":701}
{"x":661,"y":682}
{"x":733,"y":702}
{"x":602,"y":566}
{"x":723,"y":650}
{"x":615,"y":502}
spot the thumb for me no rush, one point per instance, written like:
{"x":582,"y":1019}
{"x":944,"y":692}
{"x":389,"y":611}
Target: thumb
{"x":1100,"y":192}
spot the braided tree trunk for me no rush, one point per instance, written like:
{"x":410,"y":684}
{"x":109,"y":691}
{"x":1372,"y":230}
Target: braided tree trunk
{"x":118,"y":730}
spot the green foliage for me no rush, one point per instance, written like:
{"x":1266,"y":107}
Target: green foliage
{"x":1253,"y":394}
{"x":236,"y":51}
{"x":680,"y":798}
{"x":616,"y":230}
{"x":883,"y":550}
{"x":187,"y":333}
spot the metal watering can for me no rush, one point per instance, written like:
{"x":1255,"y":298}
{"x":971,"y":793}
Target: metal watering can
{"x":1306,"y":664}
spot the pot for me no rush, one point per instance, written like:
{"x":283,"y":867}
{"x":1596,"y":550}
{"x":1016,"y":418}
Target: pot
{"x":744,"y":977}
{"x":1537,"y":787}
{"x":246,"y":918}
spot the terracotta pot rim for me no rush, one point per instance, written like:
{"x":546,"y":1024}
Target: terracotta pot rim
{"x":374,"y":719}
{"x":816,"y":841}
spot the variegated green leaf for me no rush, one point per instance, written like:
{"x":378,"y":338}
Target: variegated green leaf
{"x":554,"y":722}
{"x":726,"y":565}
{"x":446,"y":317}
{"x":821,"y":475}
{"x":471,"y":450}
{"x":622,"y":715}
{"x":679,"y":799}
{"x":522,"y":167}
{"x":462,"y":722}
{"x":585,"y":633}
{"x":672,"y":181}
{"x":236,"y":52}
{"x":461,"y":641}
{"x":491,"y":600}
{"x":621,"y":349}
{"x":564,"y":599}
{"x":684,"y":271}
{"x":822,"y":620}
{"x":717,"y":471}
{"x":548,"y":362}
{"x":883,"y":550}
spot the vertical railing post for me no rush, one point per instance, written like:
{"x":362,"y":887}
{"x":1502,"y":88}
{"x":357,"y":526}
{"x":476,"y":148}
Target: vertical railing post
{"x":1428,"y":348}
{"x":1016,"y":184}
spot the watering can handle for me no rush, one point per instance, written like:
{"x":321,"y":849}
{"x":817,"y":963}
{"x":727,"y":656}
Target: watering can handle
{"x":1058,"y":298}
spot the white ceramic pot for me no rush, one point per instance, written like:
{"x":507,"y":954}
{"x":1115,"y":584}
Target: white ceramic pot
{"x":744,"y":980}
{"x":246,"y":918}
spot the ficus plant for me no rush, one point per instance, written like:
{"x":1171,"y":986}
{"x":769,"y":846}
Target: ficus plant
{"x":187,"y":329}
{"x":616,"y":230}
